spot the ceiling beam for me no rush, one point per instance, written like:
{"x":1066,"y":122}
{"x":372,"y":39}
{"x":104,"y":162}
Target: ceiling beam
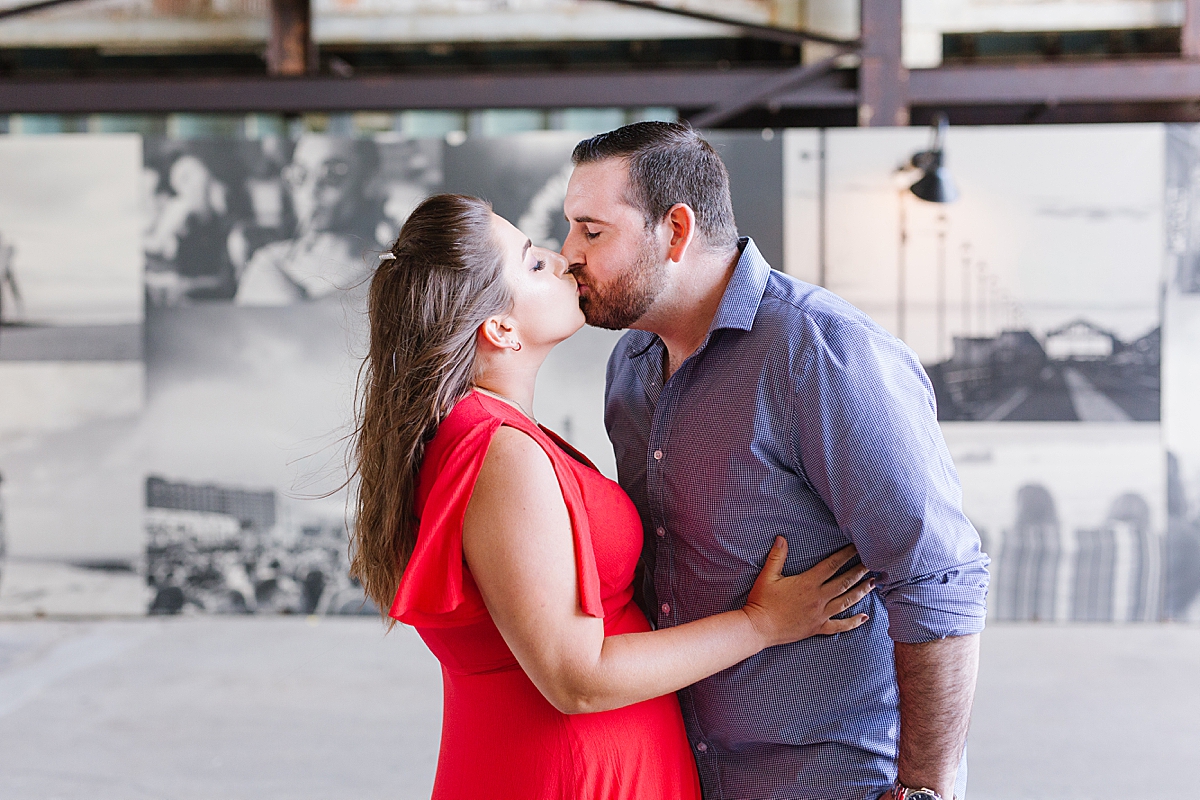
{"x":882,"y":78}
{"x":641,"y":88}
{"x":1124,"y":81}
{"x":752,"y":29}
{"x":1048,"y":85}
{"x":764,"y":93}
{"x":1189,"y":38}
{"x":29,"y":8}
{"x":290,"y":50}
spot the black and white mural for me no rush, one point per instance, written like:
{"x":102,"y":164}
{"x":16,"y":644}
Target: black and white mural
{"x":274,"y":222}
{"x":72,"y":381}
{"x":1034,"y":300}
{"x":1181,"y":371}
{"x":181,"y":324}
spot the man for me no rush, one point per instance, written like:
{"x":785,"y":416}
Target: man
{"x":326,"y":182}
{"x":744,"y":404}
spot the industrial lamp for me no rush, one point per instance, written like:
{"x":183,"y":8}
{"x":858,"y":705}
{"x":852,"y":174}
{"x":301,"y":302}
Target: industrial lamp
{"x":935,"y":184}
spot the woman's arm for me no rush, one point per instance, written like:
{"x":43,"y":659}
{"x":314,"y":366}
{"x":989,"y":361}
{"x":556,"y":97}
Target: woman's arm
{"x":518,"y":544}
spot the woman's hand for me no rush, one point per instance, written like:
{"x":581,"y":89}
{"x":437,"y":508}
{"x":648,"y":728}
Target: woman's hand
{"x":788,"y":609}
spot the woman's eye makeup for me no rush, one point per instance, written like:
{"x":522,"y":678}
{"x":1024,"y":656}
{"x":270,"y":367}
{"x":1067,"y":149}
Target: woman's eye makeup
{"x":539,"y":265}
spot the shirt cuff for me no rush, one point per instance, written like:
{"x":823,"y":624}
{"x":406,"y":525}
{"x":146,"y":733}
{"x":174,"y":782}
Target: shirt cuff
{"x":937,"y":606}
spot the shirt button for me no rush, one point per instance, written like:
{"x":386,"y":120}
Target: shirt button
{"x":660,"y":532}
{"x":666,"y":608}
{"x":701,"y":746}
{"x":658,"y":455}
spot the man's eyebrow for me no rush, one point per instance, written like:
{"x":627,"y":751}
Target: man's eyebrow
{"x":589,"y":219}
{"x":525,"y":249}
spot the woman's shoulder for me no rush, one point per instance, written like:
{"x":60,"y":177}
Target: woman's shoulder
{"x":472,"y":417}
{"x":476,"y":426}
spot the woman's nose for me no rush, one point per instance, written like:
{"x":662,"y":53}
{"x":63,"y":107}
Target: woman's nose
{"x":557,"y":263}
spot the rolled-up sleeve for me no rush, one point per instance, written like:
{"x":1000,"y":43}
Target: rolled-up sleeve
{"x":869,"y":444}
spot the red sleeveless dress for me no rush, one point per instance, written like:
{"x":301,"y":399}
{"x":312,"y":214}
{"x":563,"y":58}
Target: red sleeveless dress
{"x":501,"y":738}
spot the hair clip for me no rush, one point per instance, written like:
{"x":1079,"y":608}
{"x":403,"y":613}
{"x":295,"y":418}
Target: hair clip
{"x":387,"y":256}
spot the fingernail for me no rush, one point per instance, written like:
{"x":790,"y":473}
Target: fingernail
{"x":865,"y":617}
{"x":779,"y":541}
{"x":871,"y":584}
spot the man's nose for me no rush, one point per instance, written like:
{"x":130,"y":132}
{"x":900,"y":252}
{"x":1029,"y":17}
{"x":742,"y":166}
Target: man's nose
{"x":572,"y":252}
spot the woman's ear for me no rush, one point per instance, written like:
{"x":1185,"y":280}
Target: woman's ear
{"x":497,"y":332}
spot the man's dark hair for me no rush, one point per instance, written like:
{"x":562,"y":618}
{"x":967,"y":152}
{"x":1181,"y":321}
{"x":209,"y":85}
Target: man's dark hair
{"x":669,"y":163}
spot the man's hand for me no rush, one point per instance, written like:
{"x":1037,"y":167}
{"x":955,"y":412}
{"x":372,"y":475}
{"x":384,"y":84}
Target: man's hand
{"x":937,"y":686}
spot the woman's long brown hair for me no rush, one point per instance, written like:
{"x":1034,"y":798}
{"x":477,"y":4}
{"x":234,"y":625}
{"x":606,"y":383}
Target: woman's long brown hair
{"x":425,"y":305}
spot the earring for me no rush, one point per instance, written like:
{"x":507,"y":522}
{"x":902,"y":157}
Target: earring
{"x":517,"y":347}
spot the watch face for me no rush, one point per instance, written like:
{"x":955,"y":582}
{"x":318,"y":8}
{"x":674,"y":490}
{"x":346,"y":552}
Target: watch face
{"x":921,"y":794}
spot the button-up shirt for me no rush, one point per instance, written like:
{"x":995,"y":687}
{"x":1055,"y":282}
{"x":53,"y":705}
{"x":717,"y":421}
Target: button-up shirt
{"x":799,"y":416}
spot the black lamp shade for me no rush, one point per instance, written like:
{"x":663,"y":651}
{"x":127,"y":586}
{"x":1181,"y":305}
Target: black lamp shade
{"x":936,"y":186}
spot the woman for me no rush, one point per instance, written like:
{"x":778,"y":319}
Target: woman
{"x":506,"y":549}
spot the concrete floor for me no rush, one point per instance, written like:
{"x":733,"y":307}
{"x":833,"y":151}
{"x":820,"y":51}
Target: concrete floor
{"x":230,"y":708}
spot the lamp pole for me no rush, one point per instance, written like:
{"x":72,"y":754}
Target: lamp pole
{"x":966,"y":289}
{"x":941,"y":286}
{"x":982,"y":294}
{"x":902,"y":266}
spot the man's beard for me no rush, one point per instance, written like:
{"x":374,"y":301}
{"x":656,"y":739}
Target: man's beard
{"x":628,"y":296}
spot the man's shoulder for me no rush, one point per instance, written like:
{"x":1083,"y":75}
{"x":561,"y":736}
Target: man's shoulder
{"x":810,"y":315}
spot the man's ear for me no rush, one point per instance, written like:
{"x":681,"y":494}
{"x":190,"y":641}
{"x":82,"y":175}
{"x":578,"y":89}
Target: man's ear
{"x":680,"y":224}
{"x":497,"y":333}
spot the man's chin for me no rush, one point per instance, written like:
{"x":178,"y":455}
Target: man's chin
{"x":601,"y":321}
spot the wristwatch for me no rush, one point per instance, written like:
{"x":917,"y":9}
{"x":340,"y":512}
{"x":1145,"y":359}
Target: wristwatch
{"x":902,"y":792}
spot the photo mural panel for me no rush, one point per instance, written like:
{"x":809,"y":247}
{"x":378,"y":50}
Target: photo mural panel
{"x":1181,"y":372}
{"x":72,"y":380}
{"x":257,"y":254}
{"x":243,"y":446}
{"x":1072,"y":516}
{"x":1033,"y":297}
{"x":273,"y":222}
{"x":1034,"y":302}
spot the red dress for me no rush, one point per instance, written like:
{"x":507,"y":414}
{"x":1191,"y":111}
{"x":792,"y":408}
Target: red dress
{"x":500,"y":737}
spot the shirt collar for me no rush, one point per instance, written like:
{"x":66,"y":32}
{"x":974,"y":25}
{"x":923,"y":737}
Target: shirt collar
{"x":745,"y":291}
{"x":739,"y":304}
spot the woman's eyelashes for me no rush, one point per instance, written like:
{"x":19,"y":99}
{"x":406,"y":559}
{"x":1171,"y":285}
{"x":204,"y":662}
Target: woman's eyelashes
{"x":539,"y":265}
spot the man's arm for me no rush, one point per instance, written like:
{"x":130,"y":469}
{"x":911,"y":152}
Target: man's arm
{"x":870,"y":446}
{"x":937,"y":685}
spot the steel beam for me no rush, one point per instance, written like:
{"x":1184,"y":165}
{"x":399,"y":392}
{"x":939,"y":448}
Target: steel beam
{"x":998,"y":87}
{"x":765,"y":93}
{"x":1054,"y":84}
{"x":290,"y":50}
{"x":1189,"y":37}
{"x":882,"y":78}
{"x":752,"y":29}
{"x":675,"y":88}
{"x":29,"y":8}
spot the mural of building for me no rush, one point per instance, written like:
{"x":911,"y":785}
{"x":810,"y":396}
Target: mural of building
{"x":1077,"y":372}
{"x":1027,"y":564}
{"x":1182,"y":548}
{"x":1112,"y":574}
{"x":3,"y":536}
{"x":221,"y":549}
{"x":1117,"y":566}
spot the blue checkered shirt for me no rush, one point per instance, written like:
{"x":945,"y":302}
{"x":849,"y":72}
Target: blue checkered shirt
{"x":798,"y":416}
